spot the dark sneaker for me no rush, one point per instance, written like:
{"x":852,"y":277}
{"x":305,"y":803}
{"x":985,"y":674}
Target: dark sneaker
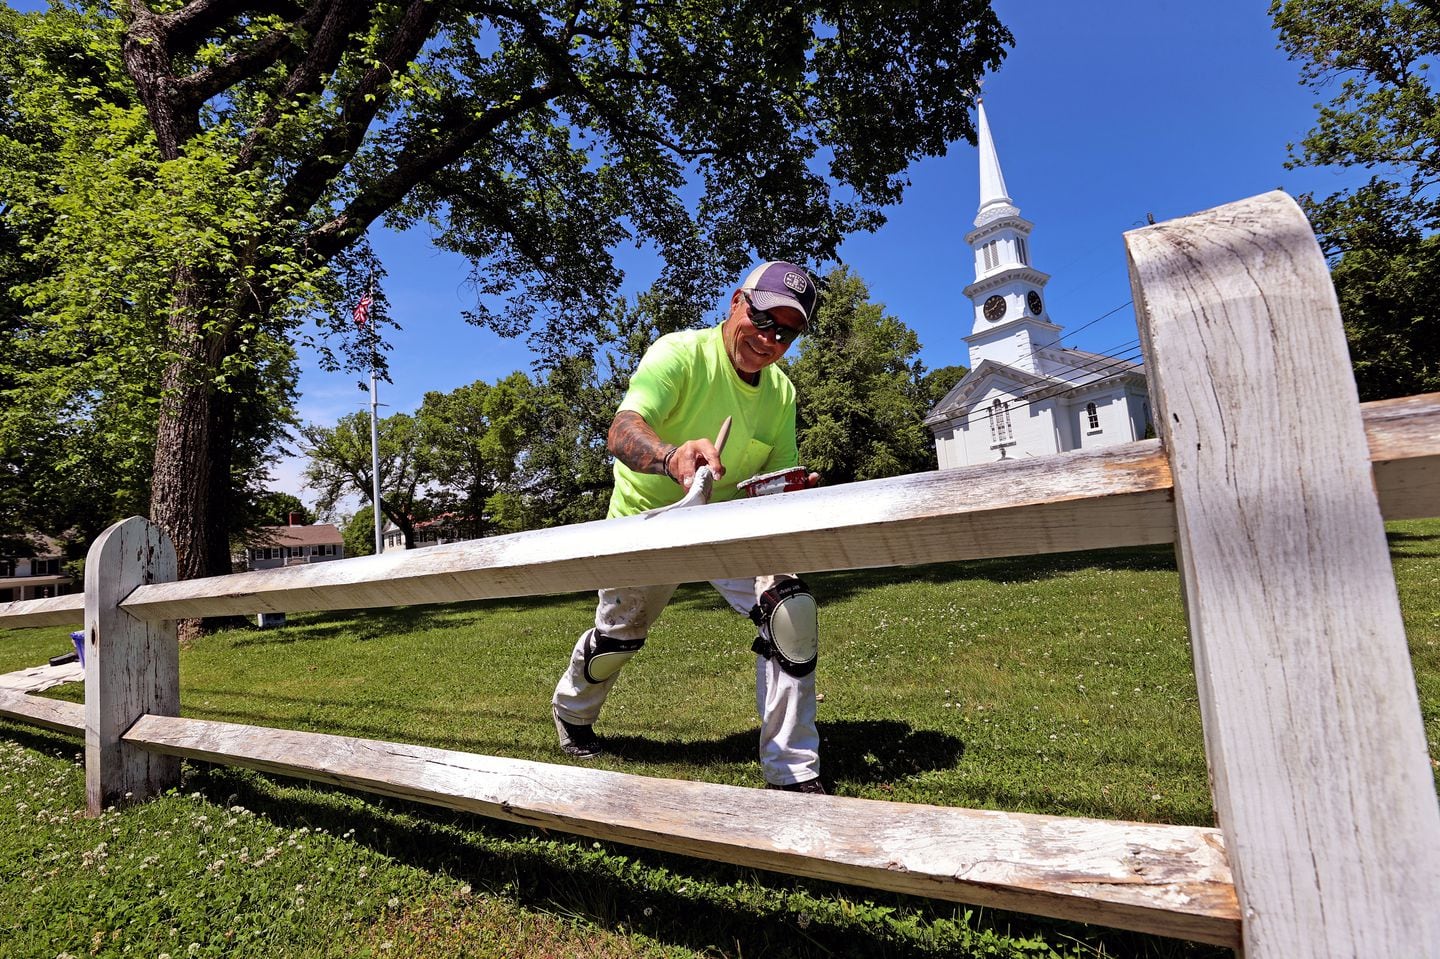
{"x":575,"y":740}
{"x":812,"y":786}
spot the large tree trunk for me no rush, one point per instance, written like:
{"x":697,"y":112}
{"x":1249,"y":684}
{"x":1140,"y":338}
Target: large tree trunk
{"x":191,"y":493}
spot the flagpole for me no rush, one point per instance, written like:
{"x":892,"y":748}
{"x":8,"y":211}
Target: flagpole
{"x":362,"y":319}
{"x":375,"y":453}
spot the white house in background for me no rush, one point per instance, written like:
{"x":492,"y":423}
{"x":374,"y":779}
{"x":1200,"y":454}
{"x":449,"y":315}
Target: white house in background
{"x":1025,"y":394}
{"x":445,"y":528}
{"x":295,"y":544}
{"x":35,"y":577}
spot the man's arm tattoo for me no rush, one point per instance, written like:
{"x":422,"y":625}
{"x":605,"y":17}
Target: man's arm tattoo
{"x":635,"y":444}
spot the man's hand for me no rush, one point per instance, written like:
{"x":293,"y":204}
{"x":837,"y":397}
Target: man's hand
{"x":689,"y":456}
{"x":635,"y":444}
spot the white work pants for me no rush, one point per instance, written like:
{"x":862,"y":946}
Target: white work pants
{"x":789,"y":742}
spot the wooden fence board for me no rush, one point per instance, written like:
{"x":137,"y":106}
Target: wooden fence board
{"x":1317,"y":750}
{"x":56,"y":611}
{"x":132,"y":667}
{"x":1170,"y":880}
{"x":1114,"y":496}
{"x":51,"y":713}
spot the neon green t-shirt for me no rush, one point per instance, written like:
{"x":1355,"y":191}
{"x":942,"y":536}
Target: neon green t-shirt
{"x":684,"y":388}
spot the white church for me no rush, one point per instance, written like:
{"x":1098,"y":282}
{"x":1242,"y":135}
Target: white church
{"x":1025,"y":394}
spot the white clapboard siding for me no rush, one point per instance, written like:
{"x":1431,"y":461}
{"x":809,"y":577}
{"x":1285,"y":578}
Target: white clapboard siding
{"x":1317,"y":751}
{"x":132,"y":667}
{"x":51,"y":713}
{"x":1170,"y":880}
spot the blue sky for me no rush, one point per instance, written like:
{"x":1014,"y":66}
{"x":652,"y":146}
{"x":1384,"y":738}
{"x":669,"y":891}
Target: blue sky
{"x":1102,"y":113}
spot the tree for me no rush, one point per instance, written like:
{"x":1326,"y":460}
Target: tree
{"x":859,"y":386}
{"x":1384,"y":114}
{"x":474,"y":436}
{"x":939,"y":381}
{"x":340,"y":465}
{"x":358,"y":532}
{"x":276,"y":509}
{"x":220,"y":164}
{"x":566,"y":475}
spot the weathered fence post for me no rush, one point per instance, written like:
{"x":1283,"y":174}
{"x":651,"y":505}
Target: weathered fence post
{"x":1312,"y":723}
{"x":132,"y":667}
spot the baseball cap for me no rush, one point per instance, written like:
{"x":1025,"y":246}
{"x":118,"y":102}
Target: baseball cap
{"x":779,"y":283}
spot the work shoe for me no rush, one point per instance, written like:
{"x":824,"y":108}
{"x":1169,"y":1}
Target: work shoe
{"x":813,"y":786}
{"x":576,"y":740}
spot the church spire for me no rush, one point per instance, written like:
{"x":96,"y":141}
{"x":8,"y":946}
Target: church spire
{"x":994,"y":201}
{"x":1011,"y":324}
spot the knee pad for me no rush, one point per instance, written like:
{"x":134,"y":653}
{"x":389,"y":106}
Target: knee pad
{"x":604,"y":655}
{"x":789,"y":626}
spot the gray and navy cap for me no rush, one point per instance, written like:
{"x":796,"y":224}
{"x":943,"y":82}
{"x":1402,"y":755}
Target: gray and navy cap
{"x":778,"y":283}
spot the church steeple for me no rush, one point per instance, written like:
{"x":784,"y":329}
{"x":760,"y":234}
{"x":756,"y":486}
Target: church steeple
{"x":993,"y":198}
{"x":1011,"y":324}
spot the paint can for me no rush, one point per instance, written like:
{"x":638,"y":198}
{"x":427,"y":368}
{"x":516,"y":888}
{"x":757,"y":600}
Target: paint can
{"x":780,"y":481}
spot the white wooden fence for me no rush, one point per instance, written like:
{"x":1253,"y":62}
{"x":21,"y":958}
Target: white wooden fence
{"x":1270,"y":478}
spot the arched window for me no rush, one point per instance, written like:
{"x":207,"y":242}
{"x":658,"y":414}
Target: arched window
{"x":992,"y":255}
{"x":1020,"y":248}
{"x":1092,"y":415}
{"x":1000,"y":422}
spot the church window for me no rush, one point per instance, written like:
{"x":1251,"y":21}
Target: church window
{"x":992,"y":257}
{"x":1092,"y":415}
{"x":1020,"y":248}
{"x":1000,"y":422}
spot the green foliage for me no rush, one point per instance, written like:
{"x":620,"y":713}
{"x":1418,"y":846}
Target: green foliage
{"x":275,"y":509}
{"x":1060,"y":685}
{"x":474,"y":436}
{"x":101,"y":228}
{"x":358,"y":532}
{"x":860,"y":388}
{"x":939,"y":381}
{"x":187,"y":184}
{"x":341,"y":463}
{"x":1383,"y":115}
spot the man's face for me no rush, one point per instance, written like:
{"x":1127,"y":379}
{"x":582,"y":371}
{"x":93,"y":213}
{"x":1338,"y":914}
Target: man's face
{"x":752,"y":349}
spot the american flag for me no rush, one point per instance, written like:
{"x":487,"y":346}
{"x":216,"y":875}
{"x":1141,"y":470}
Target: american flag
{"x":362,"y":310}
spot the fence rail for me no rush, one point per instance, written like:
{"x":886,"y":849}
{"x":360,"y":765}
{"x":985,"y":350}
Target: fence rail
{"x":1271,"y":481}
{"x":1109,"y":497}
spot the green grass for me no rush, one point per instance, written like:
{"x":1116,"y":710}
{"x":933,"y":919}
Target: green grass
{"x":1058,"y":684}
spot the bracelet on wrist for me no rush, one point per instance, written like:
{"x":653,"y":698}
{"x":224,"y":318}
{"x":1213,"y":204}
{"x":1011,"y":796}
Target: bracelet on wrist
{"x":665,"y":463}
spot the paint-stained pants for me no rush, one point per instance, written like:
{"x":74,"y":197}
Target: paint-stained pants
{"x":789,"y":741}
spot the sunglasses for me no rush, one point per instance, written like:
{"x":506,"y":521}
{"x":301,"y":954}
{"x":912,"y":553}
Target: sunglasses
{"x":764,"y":320}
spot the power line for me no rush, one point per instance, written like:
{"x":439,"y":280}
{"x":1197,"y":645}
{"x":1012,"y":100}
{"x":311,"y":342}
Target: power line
{"x":1102,"y":371}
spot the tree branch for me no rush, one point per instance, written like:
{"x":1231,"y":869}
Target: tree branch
{"x":188,"y":26}
{"x":413,"y":167}
{"x":324,"y":55}
{"x":341,"y":142}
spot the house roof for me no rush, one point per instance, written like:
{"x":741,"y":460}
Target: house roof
{"x":42,"y":546}
{"x":963,"y":394}
{"x":320,"y":534}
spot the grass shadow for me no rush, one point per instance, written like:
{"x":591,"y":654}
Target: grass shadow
{"x":711,"y":908}
{"x":49,"y":742}
{"x":848,"y":750}
{"x":1010,"y":569}
{"x":373,"y":623}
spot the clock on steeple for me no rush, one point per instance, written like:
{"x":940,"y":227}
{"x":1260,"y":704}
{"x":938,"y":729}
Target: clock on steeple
{"x":1006,"y":306}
